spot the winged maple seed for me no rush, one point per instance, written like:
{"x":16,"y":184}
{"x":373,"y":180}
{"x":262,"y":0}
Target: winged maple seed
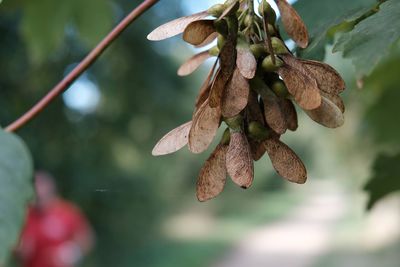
{"x":251,"y":88}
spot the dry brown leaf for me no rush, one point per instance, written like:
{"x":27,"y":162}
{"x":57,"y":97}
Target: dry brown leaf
{"x":303,"y":88}
{"x":172,"y":141}
{"x":286,"y":163}
{"x":212,"y":177}
{"x":336,"y":99}
{"x":235,"y":95}
{"x":246,"y":62}
{"x":290,"y":114}
{"x":293,"y":24}
{"x":211,"y":38}
{"x":198,"y":31}
{"x":328,"y":114}
{"x":273,"y":113}
{"x":239,"y":161}
{"x":205,"y":88}
{"x":174,"y":27}
{"x":205,"y":124}
{"x":193,"y":63}
{"x":328,"y":79}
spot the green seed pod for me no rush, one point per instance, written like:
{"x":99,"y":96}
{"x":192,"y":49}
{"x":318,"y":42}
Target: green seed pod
{"x":221,"y":26}
{"x":234,"y":123}
{"x":258,"y":50}
{"x":226,"y":137}
{"x":235,"y":8}
{"x":269,"y":66}
{"x":280,"y":88}
{"x":248,"y":20}
{"x":220,"y":41}
{"x":216,"y":10}
{"x":258,"y":20}
{"x":257,"y":131}
{"x":214,"y":51}
{"x":278,"y":46}
{"x":271,"y":30}
{"x":266,"y":10}
{"x":233,"y":25}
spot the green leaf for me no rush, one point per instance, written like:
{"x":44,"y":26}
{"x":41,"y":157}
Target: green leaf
{"x":45,"y":23}
{"x":385,"y":179}
{"x":370,"y":41}
{"x":15,"y":190}
{"x":321,"y":18}
{"x":382,"y":87}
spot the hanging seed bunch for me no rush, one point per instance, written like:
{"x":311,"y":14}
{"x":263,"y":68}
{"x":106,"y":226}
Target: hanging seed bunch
{"x":251,"y":89}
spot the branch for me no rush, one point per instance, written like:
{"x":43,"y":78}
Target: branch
{"x":83,"y":66}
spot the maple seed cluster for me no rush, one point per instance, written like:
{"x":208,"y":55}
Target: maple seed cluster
{"x":252,"y":88}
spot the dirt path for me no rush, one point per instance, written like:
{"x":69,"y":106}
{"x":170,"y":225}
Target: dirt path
{"x":296,"y":241}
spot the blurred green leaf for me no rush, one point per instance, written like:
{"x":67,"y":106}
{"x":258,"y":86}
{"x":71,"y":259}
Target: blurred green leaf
{"x":385,"y":178}
{"x":382,"y":89}
{"x":45,"y":23}
{"x":15,"y":191}
{"x":321,"y":16}
{"x":370,"y":41}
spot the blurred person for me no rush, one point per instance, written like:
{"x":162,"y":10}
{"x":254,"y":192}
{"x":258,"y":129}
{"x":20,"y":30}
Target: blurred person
{"x":56,"y":234}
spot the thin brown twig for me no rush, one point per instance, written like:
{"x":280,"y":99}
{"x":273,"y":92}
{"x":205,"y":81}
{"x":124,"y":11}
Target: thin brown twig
{"x":81,"y":67}
{"x":266,"y":31}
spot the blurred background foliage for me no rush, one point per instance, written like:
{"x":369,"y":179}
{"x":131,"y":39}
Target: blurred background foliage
{"x":101,"y":157}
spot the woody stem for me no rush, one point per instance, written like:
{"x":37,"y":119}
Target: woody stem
{"x":81,"y":67}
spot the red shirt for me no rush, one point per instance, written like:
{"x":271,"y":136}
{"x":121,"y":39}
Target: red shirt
{"x":46,"y":231}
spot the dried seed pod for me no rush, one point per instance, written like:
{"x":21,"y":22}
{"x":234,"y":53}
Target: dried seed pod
{"x":256,"y":118}
{"x":217,"y":89}
{"x":273,"y":113}
{"x":211,"y":38}
{"x":205,"y":88}
{"x":228,"y":57}
{"x":254,"y":112}
{"x":328,"y":114}
{"x":257,"y":131}
{"x":193,"y":63}
{"x":293,"y":24}
{"x":257,"y":149}
{"x":174,"y":27}
{"x":227,"y":64}
{"x":205,"y":124}
{"x":336,"y":99}
{"x":239,"y":161}
{"x":245,"y":60}
{"x":235,"y":95}
{"x":285,"y":161}
{"x":173,"y":141}
{"x":328,"y":79}
{"x":303,"y":88}
{"x":212,"y":177}
{"x":198,"y":31}
{"x":290,"y":112}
